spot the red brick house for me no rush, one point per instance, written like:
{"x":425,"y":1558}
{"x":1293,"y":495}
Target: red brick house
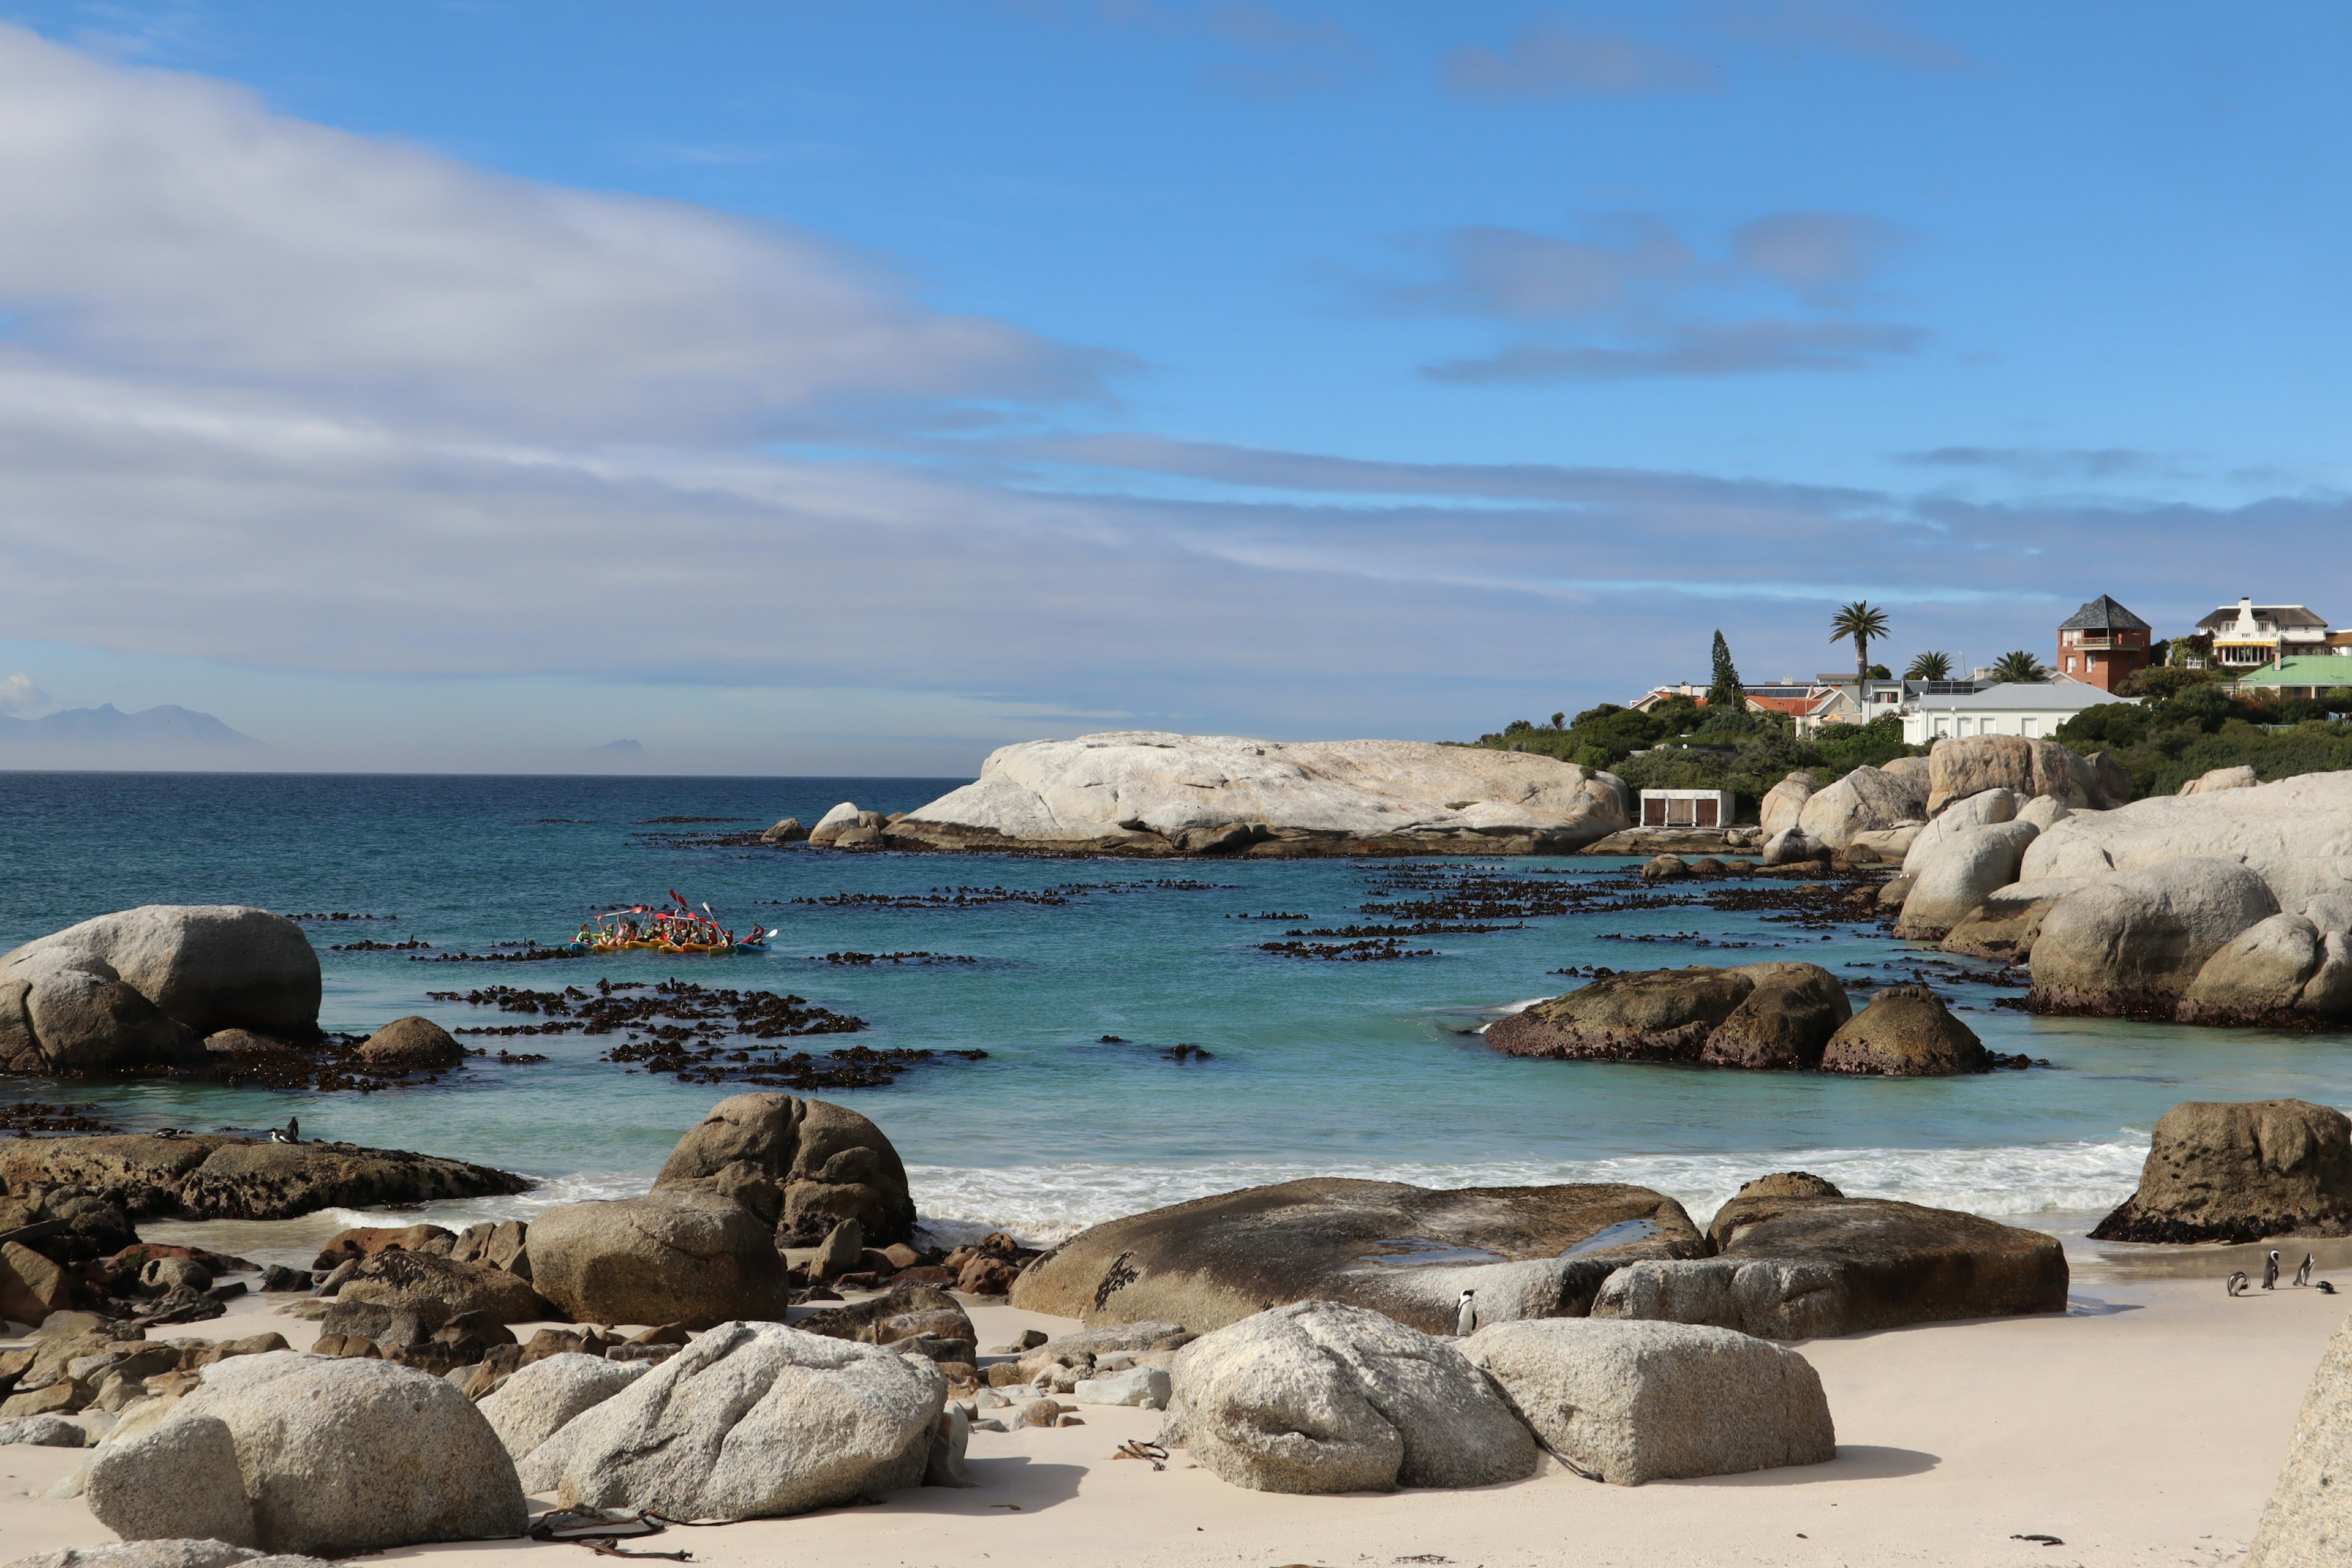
{"x":2102,"y":642}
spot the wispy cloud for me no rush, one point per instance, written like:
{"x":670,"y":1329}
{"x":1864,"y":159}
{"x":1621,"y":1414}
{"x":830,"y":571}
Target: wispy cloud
{"x":1555,"y":61}
{"x":1852,"y":30}
{"x":2048,"y":462}
{"x":1702,"y":349}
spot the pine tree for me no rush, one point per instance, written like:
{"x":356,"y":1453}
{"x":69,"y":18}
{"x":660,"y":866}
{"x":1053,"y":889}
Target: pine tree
{"x":1725,"y":694}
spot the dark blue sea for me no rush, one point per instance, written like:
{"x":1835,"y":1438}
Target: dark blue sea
{"x":1313,"y":1067}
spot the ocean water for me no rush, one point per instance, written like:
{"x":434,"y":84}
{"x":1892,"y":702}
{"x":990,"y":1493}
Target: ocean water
{"x":1314,"y":1068}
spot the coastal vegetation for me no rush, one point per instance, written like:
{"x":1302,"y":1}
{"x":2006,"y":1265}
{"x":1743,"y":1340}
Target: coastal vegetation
{"x":2187,"y":724}
{"x":1679,"y":745}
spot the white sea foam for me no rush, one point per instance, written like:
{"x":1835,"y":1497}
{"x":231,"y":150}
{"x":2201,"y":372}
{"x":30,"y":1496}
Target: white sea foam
{"x":2045,"y":1182}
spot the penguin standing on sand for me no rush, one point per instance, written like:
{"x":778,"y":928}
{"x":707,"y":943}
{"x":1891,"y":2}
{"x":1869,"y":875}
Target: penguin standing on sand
{"x":1466,"y":1314}
{"x":2303,"y":1274}
{"x":2235,"y":1284}
{"x":2270,"y":1271}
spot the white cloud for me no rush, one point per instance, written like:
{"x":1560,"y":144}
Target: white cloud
{"x":19,"y":695}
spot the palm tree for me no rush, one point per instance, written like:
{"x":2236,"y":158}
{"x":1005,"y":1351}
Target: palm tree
{"x":2021,"y":667}
{"x":1932,"y":665}
{"x":1862,"y":621}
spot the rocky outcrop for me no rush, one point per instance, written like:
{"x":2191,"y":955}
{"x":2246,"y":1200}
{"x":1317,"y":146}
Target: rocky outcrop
{"x":1967,"y":867}
{"x":1316,"y":1396}
{"x":1965,"y":765}
{"x":1633,"y":1402}
{"x":1407,"y":1251}
{"x":2307,"y":1523}
{"x":678,"y":1255}
{"x":1784,"y":802}
{"x":336,"y":1455}
{"x":2239,"y":1172}
{"x":846,"y":828}
{"x":1807,"y":1268}
{"x":1905,"y":1032}
{"x":2136,"y":940}
{"x":438,"y":1289}
{"x":2296,"y":834}
{"x":1980,"y":810}
{"x":750,"y":1420}
{"x":2008,"y":919}
{"x":217,"y":1176}
{"x":142,"y":987}
{"x":788,"y":831}
{"x":411,"y":1042}
{"x":540,"y":1399}
{"x":1866,"y":800}
{"x":1150,"y":793}
{"x":802,"y":1165}
{"x":1754,"y":1014}
{"x":2217,"y":779}
{"x":2269,"y":973}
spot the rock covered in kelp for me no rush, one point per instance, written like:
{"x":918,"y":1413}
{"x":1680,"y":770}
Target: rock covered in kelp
{"x":223,"y":1177}
{"x":1753,"y":1015}
{"x":2239,"y":1172}
{"x":802,"y":1165}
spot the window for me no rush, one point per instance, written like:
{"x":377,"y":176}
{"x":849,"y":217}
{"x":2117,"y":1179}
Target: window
{"x":2070,"y":664}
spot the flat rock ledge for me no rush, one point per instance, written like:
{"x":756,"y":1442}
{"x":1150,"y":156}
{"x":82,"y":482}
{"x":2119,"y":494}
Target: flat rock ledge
{"x":222,"y":1176}
{"x":1150,"y":793}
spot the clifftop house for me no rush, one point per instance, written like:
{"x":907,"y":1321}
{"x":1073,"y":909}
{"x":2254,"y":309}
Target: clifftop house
{"x":2103,"y":643}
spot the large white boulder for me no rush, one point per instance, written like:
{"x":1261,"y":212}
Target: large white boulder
{"x":2307,"y":1523}
{"x":1977,"y":811}
{"x":750,"y":1421}
{"x":1867,"y":800}
{"x":180,"y":1479}
{"x":334,"y":1455}
{"x":2271,"y":967}
{"x":1784,"y":802}
{"x":1968,"y":867}
{"x":1633,"y":1402}
{"x":2213,"y":780}
{"x":1153,"y":790}
{"x":1961,"y":766}
{"x":209,"y":966}
{"x":535,"y":1403}
{"x":2140,"y":937}
{"x":1316,"y":1396}
{"x":2276,"y":828}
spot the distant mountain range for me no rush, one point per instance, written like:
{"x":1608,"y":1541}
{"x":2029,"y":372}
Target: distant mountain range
{"x":169,"y":725}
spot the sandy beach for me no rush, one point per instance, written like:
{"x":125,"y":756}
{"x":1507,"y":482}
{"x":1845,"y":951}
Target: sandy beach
{"x":2144,"y":1426}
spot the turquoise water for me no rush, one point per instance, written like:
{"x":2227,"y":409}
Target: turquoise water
{"x":1316,"y":1068}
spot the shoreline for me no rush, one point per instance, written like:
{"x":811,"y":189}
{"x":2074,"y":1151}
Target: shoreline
{"x":2145,"y":1424}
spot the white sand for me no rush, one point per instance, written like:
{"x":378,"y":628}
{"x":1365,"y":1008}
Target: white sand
{"x":2145,"y":1435}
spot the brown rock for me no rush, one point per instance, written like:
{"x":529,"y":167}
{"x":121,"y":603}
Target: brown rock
{"x":215,"y":1177}
{"x":843,"y":1251}
{"x":2006,"y":923}
{"x":1403,"y":1250}
{"x":902,"y":1315}
{"x":412,"y":1042}
{"x":439,"y":1289}
{"x":1966,"y":765}
{"x":2239,"y":1172}
{"x":252,"y":1344}
{"x":678,"y":1255}
{"x":1905,"y":1032}
{"x":366,"y":1241}
{"x":987,"y":1275}
{"x":1785,"y":1022}
{"x":1786,"y":1185}
{"x":31,"y":1287}
{"x":802,"y":1165}
{"x":1041,"y":1413}
{"x":1653,"y":1014}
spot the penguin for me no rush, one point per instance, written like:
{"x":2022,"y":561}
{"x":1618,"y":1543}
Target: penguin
{"x":2235,"y":1283}
{"x":293,"y":1133}
{"x":2303,"y":1274}
{"x":169,"y":1132}
{"x":2327,"y":1288}
{"x":2270,"y":1271}
{"x":1466,"y":1314}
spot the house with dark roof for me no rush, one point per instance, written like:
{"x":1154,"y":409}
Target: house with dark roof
{"x":2103,"y":643}
{"x":2247,"y":636}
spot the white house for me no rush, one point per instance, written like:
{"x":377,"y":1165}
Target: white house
{"x":2017,"y":708}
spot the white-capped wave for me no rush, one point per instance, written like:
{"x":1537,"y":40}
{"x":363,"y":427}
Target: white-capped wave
{"x":1045,"y":1203}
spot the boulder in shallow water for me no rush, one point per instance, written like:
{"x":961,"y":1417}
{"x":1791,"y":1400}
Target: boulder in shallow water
{"x":1968,"y":868}
{"x":1905,"y":1032}
{"x":1785,"y":1022}
{"x":206,"y":966}
{"x":1784,"y":802}
{"x":2263,"y":975}
{"x":802,"y":1165}
{"x":412,"y":1042}
{"x":1407,"y":1251}
{"x":750,"y":1421}
{"x":2239,"y":1172}
{"x":1750,"y":1016}
{"x":1316,"y":1396}
{"x":788,"y":831}
{"x":1632,"y":1402}
{"x":2136,"y":940}
{"x":220,"y":1176}
{"x":674,"y":1256}
{"x":1866,"y":800}
{"x":2008,"y":919}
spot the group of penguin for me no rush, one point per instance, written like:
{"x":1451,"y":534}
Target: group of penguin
{"x":2236,"y":1284}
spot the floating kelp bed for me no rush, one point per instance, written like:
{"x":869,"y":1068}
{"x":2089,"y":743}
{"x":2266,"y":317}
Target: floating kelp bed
{"x":528,"y":953}
{"x":697,"y":1033}
{"x":868,"y":958}
{"x":1347,"y":951}
{"x":369,"y":946}
{"x":28,"y":1117}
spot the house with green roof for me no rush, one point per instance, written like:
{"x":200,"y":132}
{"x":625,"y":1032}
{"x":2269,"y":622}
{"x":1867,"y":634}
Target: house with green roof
{"x":2302,"y":675}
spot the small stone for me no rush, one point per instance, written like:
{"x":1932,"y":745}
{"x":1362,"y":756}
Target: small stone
{"x":1039,"y":1413}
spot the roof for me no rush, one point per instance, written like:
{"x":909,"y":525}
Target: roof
{"x":1794,"y":707}
{"x":2103,"y":614}
{"x":2277,"y":615}
{"x":2307,"y":669}
{"x":2032,"y":697}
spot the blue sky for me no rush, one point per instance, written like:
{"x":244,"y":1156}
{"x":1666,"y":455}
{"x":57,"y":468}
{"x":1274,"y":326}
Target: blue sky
{"x":824,"y":388}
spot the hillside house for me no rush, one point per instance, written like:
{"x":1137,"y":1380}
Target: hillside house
{"x":2030,"y":709}
{"x":2102,"y":644}
{"x":2248,"y":636}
